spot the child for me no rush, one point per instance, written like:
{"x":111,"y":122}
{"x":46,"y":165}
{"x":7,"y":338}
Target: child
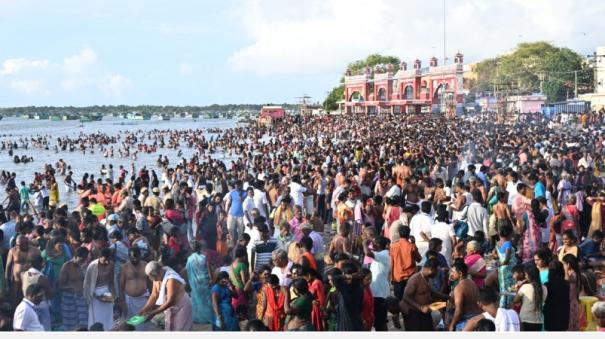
{"x":332,"y":299}
{"x":174,"y":243}
{"x":367,"y":310}
{"x":223,"y":238}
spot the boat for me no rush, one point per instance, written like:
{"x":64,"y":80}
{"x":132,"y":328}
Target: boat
{"x":139,"y":116}
{"x":69,"y":116}
{"x":162,"y":117}
{"x":211,"y":115}
{"x":96,"y":117}
{"x":41,"y":116}
{"x":55,"y":117}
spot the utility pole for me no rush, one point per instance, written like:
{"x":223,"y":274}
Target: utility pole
{"x":496,"y":93}
{"x":444,"y":53}
{"x":575,"y":91}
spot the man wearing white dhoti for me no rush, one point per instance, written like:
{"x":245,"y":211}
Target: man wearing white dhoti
{"x":168,"y":296}
{"x":99,"y":289}
{"x":133,"y":286}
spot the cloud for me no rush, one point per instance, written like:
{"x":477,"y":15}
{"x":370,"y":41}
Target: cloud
{"x":114,"y":85}
{"x":29,"y":87}
{"x":19,"y":65}
{"x":80,"y":73}
{"x":318,"y":36}
{"x":80,"y":62}
{"x":185,"y":69}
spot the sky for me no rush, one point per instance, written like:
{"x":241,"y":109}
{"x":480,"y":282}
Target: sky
{"x":187,"y":52}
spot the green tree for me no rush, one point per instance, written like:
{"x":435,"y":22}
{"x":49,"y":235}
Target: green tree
{"x":531,"y":65}
{"x":336,"y":95}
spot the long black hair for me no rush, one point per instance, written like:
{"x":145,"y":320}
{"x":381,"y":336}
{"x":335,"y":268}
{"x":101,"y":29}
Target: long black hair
{"x":572,"y":261}
{"x":533,"y":275}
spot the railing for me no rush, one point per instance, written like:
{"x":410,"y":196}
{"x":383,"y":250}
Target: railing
{"x":355,"y":78}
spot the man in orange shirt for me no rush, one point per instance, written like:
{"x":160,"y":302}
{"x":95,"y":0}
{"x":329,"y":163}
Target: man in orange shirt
{"x":404,"y":256}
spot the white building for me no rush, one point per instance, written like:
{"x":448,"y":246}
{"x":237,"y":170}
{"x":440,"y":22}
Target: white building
{"x":597,"y":99}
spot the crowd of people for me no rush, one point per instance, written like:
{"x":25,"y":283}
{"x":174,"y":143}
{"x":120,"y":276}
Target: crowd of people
{"x":323,"y":223}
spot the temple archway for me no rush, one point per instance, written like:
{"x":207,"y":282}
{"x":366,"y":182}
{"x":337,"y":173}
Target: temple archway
{"x":382,"y":94}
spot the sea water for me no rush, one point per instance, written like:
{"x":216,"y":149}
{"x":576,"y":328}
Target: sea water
{"x":13,"y":129}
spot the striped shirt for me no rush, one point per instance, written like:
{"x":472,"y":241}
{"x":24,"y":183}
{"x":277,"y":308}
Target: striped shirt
{"x":262,"y":252}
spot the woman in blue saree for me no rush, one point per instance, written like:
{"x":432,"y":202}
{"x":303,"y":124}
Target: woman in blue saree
{"x":223,"y":317}
{"x":199,"y":278}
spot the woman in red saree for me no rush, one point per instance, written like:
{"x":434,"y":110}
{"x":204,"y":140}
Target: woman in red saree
{"x":316,"y":288}
{"x":275,"y":298}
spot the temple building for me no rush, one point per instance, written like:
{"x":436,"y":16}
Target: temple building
{"x":418,"y":90}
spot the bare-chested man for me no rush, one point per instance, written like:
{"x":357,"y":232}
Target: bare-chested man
{"x":19,"y":260}
{"x":465,"y":297}
{"x":341,"y":242}
{"x":418,"y":296}
{"x":401,"y":172}
{"x":133,"y":284}
{"x":71,"y":280}
{"x":99,"y":290}
{"x":412,"y":191}
{"x":503,"y":215}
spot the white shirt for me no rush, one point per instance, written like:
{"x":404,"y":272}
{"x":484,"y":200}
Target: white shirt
{"x":381,"y":270}
{"x":511,"y":188}
{"x":284,"y":280}
{"x":248,"y":206}
{"x":505,"y":320}
{"x":26,"y":318}
{"x":445,"y":232}
{"x":9,"y":229}
{"x":477,"y":219}
{"x":296,"y":192}
{"x":393,"y":191}
{"x":421,"y":223}
{"x":318,"y":243}
{"x":260,"y":201}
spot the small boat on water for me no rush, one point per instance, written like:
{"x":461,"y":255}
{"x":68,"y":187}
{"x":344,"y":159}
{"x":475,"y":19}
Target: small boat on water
{"x":96,"y":117}
{"x":69,"y":116}
{"x":211,"y":115}
{"x":162,"y":117}
{"x":138,"y":116}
